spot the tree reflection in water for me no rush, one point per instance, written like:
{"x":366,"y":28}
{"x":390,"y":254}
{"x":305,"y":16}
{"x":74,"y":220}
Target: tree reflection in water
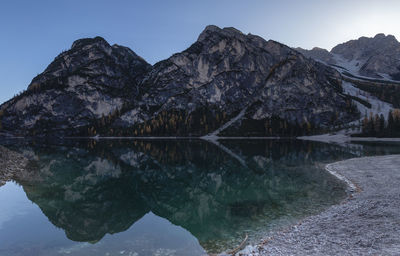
{"x":92,"y":188}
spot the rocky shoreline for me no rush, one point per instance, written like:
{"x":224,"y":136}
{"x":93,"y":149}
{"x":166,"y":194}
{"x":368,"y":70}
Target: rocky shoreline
{"x":366,"y":223}
{"x":11,"y":163}
{"x":341,"y":138}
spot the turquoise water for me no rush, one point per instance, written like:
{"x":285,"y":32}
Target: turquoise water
{"x":164,"y":197}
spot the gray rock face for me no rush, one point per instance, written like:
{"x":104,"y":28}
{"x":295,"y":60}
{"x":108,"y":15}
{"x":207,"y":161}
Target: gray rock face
{"x":377,"y":57}
{"x":90,"y":80}
{"x":97,"y":88}
{"x":229,"y":71}
{"x":318,"y":54}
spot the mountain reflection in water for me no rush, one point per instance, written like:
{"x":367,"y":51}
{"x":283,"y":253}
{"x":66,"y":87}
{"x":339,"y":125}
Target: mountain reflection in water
{"x":92,"y":188}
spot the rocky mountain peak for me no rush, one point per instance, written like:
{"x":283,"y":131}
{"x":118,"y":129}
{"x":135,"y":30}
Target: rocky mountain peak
{"x":95,"y":88}
{"x":379,"y":36}
{"x":382,"y":36}
{"x":232,"y":73}
{"x":231,"y":41}
{"x":377,"y":57}
{"x":366,"y":46}
{"x":374,"y":57}
{"x":98,"y":40}
{"x":318,"y":49}
{"x":82,"y":84}
{"x":317,"y":54}
{"x":94,"y":59}
{"x":212,"y":30}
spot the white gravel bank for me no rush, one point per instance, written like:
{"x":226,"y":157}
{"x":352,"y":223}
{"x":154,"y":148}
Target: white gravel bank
{"x":367,"y":223}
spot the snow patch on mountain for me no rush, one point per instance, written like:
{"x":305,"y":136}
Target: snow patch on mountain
{"x":377,"y":106}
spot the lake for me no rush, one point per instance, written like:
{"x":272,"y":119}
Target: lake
{"x":165,"y":197}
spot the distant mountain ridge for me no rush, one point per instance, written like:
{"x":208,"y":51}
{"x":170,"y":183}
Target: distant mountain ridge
{"x":225,"y":84}
{"x":376,"y":57}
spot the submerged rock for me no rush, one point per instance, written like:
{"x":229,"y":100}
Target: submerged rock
{"x":11,"y":164}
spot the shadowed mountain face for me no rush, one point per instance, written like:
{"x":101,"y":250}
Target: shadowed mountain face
{"x":228,"y":72}
{"x":91,"y":80}
{"x":95,"y":88}
{"x":317,"y":53}
{"x":92,"y":188}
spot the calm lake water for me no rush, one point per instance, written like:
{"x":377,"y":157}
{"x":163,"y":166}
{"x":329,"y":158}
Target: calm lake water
{"x":165,"y":197}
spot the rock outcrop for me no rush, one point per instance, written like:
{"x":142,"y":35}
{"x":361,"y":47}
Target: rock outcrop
{"x":318,"y":54}
{"x":377,"y":57}
{"x":227,"y":71}
{"x":95,"y":88}
{"x":91,"y":80}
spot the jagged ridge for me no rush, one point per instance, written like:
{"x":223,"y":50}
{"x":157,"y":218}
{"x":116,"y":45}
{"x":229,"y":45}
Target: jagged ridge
{"x":95,"y":88}
{"x":377,"y":57}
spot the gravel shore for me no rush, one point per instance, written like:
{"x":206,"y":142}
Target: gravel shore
{"x":10,"y":164}
{"x":367,"y":223}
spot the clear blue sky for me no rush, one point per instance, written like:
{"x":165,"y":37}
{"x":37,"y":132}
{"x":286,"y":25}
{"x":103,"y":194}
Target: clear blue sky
{"x":33,"y":32}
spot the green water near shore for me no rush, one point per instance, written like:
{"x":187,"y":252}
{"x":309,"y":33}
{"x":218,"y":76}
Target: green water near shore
{"x":165,"y":197}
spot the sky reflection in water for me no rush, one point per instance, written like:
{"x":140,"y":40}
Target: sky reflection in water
{"x":164,"y":197}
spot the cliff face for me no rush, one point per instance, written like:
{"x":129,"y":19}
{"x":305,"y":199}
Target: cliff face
{"x":318,"y":54}
{"x":91,"y":80}
{"x":377,"y":57}
{"x":95,"y":88}
{"x":228,"y":72}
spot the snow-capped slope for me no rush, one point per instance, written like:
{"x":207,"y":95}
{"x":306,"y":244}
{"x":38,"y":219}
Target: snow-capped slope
{"x":377,"y":57}
{"x":377,"y":106}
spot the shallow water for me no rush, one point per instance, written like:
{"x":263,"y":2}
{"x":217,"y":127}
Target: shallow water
{"x":161,"y":197}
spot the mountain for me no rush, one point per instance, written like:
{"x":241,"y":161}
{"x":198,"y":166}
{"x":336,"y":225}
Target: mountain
{"x":370,"y":66}
{"x":226,"y":83}
{"x":377,"y":57}
{"x":319,"y":54}
{"x":91,"y":80}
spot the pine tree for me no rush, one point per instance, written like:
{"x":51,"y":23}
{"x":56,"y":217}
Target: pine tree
{"x":396,"y":122}
{"x":365,"y":125}
{"x":376,"y":124}
{"x":103,"y":121}
{"x":381,"y":125}
{"x":390,"y":125}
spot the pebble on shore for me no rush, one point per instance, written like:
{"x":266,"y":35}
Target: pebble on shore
{"x":367,"y":223}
